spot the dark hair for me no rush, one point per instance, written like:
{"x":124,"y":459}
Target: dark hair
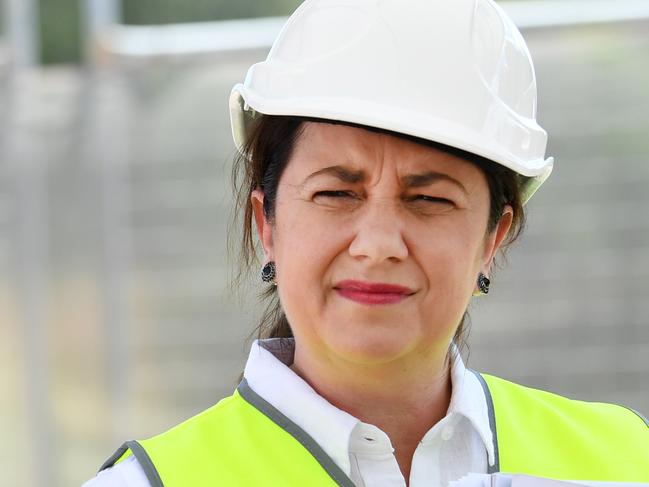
{"x":260,"y":166}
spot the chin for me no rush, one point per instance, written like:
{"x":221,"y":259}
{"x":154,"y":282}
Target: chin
{"x":372,"y":346}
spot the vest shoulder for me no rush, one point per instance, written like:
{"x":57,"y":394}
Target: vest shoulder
{"x":219,"y":445}
{"x":510,"y":396}
{"x":214,"y":418}
{"x":543,"y":433}
{"x":180,"y":442}
{"x":543,"y":413}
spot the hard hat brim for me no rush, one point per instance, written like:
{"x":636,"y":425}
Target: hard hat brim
{"x":245,"y":106}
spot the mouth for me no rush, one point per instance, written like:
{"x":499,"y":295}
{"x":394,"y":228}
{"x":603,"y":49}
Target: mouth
{"x":372,"y":293}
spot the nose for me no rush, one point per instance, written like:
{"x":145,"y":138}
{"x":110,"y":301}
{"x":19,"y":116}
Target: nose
{"x":379,"y":233}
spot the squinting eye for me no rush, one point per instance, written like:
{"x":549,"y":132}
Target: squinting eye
{"x":432,"y":199}
{"x":335,"y":194}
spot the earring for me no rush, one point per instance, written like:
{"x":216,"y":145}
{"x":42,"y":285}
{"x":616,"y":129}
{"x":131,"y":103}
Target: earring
{"x":268,"y":272}
{"x":483,"y":283}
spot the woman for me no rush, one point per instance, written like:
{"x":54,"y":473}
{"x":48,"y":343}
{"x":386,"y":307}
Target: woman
{"x":387,"y":150}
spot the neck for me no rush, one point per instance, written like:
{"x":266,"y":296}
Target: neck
{"x":404,"y":398}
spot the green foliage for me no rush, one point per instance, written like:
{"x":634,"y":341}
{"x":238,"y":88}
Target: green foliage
{"x":60,"y":20}
{"x":166,"y":11}
{"x":60,"y":34}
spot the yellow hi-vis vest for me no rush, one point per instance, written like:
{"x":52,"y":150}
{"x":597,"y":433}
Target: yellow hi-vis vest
{"x":244,"y":441}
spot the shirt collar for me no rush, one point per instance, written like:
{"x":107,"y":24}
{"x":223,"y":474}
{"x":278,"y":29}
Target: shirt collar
{"x":269,"y":375}
{"x":468,"y":399}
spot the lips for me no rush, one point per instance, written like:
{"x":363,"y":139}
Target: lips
{"x":372,"y":292}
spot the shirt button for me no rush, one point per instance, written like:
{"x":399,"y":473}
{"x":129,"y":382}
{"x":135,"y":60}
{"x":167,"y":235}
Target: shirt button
{"x":447,"y":433}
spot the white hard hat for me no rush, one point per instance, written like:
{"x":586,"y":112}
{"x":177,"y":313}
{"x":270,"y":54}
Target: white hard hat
{"x":457,"y":72}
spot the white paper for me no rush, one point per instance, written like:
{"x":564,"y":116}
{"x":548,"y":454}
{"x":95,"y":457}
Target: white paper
{"x":507,"y":480}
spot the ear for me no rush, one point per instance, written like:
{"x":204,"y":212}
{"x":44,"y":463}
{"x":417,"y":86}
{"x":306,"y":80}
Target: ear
{"x":264,"y":228}
{"x":495,"y":239}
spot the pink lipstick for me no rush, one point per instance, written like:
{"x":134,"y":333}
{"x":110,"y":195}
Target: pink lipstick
{"x":372,"y":292}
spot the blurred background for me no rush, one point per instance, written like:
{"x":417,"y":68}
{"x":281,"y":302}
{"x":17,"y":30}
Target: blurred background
{"x":117,"y":316}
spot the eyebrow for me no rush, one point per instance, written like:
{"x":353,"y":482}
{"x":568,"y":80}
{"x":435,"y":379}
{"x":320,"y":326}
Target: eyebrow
{"x":411,"y":180}
{"x":344,"y":174}
{"x":429,"y":177}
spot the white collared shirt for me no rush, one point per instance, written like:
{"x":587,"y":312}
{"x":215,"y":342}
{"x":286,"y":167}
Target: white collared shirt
{"x":459,"y":443}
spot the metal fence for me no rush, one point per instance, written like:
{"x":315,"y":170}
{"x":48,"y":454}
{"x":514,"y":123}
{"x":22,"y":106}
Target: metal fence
{"x":116,"y":313}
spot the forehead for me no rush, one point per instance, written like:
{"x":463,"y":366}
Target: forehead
{"x":323,"y":144}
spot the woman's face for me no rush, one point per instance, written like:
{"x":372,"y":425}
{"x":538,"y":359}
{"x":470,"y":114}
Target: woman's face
{"x":356,"y":210}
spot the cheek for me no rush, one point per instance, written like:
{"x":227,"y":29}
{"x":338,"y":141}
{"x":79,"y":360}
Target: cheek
{"x":450,"y":254}
{"x":306,"y":245}
{"x":306,"y":242}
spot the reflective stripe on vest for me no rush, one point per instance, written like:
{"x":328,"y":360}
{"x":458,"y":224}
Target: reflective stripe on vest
{"x":544,"y":434}
{"x":241,"y":441}
{"x":245,"y":441}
